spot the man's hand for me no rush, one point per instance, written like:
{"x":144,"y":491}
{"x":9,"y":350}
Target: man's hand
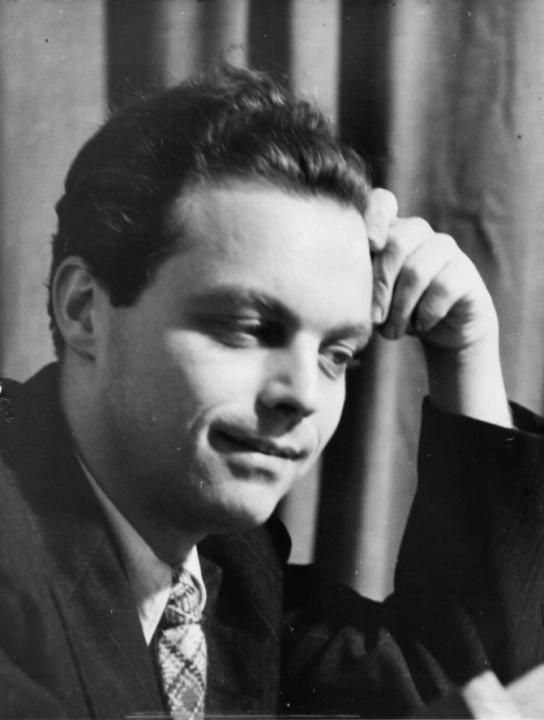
{"x":425,"y":286}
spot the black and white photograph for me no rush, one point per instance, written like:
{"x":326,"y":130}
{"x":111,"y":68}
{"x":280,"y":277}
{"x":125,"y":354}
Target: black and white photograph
{"x":271,"y":359}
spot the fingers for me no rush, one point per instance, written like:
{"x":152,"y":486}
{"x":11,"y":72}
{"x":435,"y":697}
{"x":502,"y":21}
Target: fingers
{"x":456,"y":308}
{"x":404,"y":238}
{"x":423,"y":283}
{"x":426,"y":273}
{"x":443,"y":291}
{"x":419,"y":277}
{"x":381,"y":213}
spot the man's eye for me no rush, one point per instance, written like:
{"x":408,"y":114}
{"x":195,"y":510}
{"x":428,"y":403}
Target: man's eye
{"x":240,"y":327}
{"x":248,"y":326}
{"x":337,"y":360}
{"x":247,"y":331}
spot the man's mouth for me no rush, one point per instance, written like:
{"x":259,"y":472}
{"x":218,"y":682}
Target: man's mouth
{"x":253,"y":443}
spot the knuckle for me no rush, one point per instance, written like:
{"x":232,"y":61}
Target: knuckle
{"x":434,"y":306}
{"x":447,"y":239}
{"x":439,"y":293}
{"x":407,"y":234}
{"x":448,"y":242}
{"x":396,"y":241}
{"x":427,"y":314}
{"x":420,"y":227}
{"x":423,"y":319}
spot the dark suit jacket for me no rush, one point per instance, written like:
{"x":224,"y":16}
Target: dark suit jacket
{"x":280,"y":639}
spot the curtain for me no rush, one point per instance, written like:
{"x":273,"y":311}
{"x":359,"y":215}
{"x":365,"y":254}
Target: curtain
{"x":444,"y":99}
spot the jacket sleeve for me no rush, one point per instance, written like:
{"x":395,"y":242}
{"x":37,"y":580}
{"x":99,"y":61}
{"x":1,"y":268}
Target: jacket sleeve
{"x":468,"y":586}
{"x":474,"y":540}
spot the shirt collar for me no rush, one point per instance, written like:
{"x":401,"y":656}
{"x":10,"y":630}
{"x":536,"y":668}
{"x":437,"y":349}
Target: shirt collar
{"x":149,"y":576}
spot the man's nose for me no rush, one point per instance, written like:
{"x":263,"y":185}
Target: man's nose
{"x":291,"y":385}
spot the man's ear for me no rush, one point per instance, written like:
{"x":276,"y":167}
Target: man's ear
{"x":75,"y":295}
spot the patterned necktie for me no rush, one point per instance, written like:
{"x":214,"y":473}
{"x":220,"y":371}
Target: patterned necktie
{"x":181,"y":649}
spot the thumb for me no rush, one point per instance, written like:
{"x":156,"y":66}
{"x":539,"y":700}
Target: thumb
{"x":381,"y":213}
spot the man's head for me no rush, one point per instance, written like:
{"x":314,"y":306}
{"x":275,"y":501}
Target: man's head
{"x":234,"y":124}
{"x":204,"y":383}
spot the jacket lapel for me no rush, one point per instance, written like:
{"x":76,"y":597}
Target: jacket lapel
{"x":110,"y":650}
{"x":243,"y":621}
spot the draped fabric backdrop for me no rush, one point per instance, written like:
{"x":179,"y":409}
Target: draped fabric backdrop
{"x":444,"y":99}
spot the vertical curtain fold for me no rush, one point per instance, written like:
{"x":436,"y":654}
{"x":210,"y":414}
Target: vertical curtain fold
{"x":52,"y":97}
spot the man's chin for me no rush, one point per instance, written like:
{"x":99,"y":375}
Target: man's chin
{"x":244,"y":513}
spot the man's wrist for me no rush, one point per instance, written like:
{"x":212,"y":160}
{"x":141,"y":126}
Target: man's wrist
{"x":469,"y":382}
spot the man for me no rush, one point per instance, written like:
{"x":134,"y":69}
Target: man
{"x":211,"y":283}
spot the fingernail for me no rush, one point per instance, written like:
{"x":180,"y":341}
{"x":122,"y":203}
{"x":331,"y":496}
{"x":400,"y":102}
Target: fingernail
{"x":377,"y":314}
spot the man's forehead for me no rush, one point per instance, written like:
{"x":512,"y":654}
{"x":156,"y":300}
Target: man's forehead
{"x":307,"y":254}
{"x":224,"y":196}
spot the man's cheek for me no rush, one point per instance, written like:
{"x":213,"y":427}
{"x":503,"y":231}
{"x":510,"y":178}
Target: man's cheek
{"x":333,"y":413}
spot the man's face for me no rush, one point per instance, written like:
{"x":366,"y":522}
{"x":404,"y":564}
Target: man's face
{"x":221,"y":385}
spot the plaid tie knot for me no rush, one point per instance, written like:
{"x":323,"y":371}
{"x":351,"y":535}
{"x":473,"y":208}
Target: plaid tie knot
{"x":181,"y":650}
{"x":183,"y":602}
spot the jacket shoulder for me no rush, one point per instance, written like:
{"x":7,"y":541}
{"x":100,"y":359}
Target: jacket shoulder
{"x":10,"y":392}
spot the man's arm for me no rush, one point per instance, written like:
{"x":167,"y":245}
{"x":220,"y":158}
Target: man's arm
{"x":424,"y":285}
{"x":474,"y":535}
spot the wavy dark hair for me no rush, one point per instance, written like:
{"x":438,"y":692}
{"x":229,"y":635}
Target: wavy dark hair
{"x":233,"y":123}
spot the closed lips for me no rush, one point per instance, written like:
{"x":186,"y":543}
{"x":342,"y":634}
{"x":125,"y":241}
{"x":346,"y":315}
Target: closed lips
{"x":256,"y":444}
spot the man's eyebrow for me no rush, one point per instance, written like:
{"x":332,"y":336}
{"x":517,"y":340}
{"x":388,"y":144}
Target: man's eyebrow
{"x":237,"y":296}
